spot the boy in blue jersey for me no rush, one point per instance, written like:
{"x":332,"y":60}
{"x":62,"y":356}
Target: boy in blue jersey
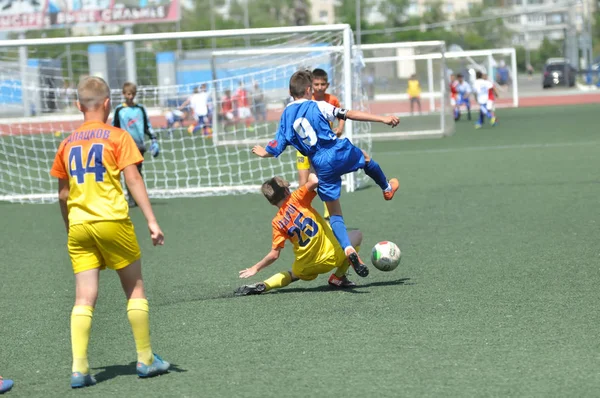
{"x":133,"y":118}
{"x":305,"y":125}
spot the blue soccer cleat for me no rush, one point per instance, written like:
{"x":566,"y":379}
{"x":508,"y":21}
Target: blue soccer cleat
{"x":158,"y":367}
{"x":5,"y":385}
{"x":79,"y":380}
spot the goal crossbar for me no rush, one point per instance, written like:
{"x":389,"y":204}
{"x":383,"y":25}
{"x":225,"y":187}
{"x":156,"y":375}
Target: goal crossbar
{"x":201,"y":34}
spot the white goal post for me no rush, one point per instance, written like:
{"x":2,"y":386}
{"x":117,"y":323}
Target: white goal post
{"x":394,"y":63}
{"x":193,"y":162}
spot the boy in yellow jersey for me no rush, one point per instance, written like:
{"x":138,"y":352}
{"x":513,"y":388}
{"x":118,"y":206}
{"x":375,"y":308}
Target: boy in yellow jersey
{"x":88,"y":166}
{"x":320,"y":85}
{"x":414,"y":93}
{"x":315,"y":247}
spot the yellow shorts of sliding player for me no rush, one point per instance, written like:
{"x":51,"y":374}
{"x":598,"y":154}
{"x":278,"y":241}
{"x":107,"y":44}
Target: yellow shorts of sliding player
{"x":102,"y":244}
{"x":308,"y":272}
{"x":302,"y":162}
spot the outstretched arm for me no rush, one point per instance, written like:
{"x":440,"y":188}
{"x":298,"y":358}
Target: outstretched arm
{"x":369,"y":117}
{"x":269,"y":259}
{"x":261,"y":151}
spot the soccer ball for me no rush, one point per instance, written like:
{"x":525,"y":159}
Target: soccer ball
{"x":386,"y":256}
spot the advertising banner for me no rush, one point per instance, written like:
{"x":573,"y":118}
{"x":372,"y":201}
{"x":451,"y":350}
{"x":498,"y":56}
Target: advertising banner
{"x":20,"y":15}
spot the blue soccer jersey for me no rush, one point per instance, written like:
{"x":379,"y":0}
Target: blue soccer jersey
{"x":134,"y":119}
{"x":305,"y":126}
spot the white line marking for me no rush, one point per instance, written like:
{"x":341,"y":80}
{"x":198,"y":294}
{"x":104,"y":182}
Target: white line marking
{"x":494,"y":148}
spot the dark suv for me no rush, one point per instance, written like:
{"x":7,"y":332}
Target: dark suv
{"x":559,"y":73}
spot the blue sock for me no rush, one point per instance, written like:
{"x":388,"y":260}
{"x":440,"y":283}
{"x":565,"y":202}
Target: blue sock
{"x":339,"y":230}
{"x":481,"y":117}
{"x":373,"y":170}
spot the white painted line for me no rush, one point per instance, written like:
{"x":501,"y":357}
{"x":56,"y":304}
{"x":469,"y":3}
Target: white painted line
{"x":494,"y":148}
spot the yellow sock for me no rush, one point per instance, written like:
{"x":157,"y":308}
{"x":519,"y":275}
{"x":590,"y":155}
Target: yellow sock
{"x":81,"y":326}
{"x":342,"y":269}
{"x":139,"y":318}
{"x":326,"y":211}
{"x":279,"y":280}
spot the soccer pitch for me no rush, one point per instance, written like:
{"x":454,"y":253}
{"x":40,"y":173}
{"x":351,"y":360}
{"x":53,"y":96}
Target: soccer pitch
{"x":496,"y":294}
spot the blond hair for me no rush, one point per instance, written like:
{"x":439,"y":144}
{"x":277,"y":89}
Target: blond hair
{"x":92,"y":91}
{"x":275,"y":190}
{"x":131,"y":86}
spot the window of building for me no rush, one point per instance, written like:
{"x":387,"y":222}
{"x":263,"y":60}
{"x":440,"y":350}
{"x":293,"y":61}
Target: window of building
{"x":413,"y":8}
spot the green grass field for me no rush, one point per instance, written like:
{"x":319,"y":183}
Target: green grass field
{"x":496,"y":294}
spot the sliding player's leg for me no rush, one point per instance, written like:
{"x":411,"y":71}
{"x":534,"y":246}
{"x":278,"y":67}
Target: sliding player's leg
{"x":373,"y":170}
{"x":339,"y":278}
{"x":87,"y":262}
{"x":277,"y":281}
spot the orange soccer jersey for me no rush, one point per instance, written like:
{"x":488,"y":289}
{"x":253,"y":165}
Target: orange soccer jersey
{"x":331,"y":99}
{"x":310,"y":234}
{"x":92,"y":159}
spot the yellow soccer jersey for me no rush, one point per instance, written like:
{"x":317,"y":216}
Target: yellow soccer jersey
{"x":92,"y":159}
{"x":414,"y":89}
{"x":312,"y":237}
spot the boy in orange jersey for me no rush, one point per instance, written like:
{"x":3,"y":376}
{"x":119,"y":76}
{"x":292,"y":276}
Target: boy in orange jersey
{"x":315,"y":247}
{"x":88,"y":166}
{"x":320,"y":85}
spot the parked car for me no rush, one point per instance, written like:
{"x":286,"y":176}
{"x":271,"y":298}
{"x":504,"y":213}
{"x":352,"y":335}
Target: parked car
{"x":559,"y":72}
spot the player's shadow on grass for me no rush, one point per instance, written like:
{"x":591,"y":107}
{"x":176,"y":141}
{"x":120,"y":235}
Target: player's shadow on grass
{"x":110,"y":372}
{"x":356,"y":289}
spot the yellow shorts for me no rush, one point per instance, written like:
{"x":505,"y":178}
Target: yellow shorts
{"x":302,"y":162}
{"x":308,"y":272}
{"x":102,"y":244}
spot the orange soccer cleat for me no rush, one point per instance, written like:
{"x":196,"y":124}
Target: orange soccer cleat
{"x":388,"y":195}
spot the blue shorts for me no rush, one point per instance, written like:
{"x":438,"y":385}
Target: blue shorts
{"x":332,"y":163}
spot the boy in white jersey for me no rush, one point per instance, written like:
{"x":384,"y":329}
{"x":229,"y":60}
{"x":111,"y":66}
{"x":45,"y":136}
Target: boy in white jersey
{"x":199,"y":103}
{"x":481,"y":91}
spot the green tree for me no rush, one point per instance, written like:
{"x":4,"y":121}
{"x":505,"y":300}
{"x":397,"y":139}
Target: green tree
{"x":486,"y":34}
{"x":394,"y":12}
{"x":434,"y":14}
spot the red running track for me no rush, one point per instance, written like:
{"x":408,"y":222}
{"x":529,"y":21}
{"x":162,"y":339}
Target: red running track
{"x":380,"y":107}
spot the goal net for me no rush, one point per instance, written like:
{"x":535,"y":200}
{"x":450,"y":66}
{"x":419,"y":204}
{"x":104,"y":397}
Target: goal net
{"x":390,"y":67}
{"x":246,"y":73}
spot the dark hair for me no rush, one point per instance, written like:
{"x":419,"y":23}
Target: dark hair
{"x":478,"y":74}
{"x":299,"y":82}
{"x":275,"y":190}
{"x":460,"y":75}
{"x":320,"y":74}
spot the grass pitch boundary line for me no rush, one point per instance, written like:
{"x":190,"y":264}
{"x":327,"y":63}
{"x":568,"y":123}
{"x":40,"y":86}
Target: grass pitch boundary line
{"x":494,"y":148}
